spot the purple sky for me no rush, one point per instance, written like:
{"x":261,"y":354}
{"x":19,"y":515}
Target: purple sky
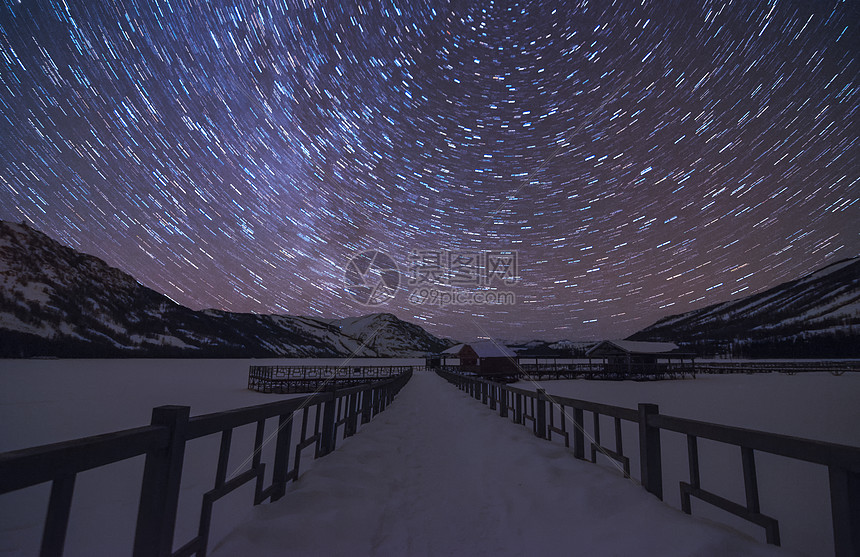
{"x":641,"y":159}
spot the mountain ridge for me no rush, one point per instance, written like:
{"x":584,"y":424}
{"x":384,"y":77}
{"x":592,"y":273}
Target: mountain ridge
{"x":816,"y":315}
{"x":58,"y":302}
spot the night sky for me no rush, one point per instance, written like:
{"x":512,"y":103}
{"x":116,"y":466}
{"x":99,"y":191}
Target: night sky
{"x":641,"y":158}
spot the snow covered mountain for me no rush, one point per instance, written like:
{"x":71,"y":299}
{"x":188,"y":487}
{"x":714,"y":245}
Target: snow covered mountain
{"x":385,"y":333}
{"x":815,"y":316}
{"x":55,"y":301}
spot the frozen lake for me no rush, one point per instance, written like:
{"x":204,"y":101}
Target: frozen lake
{"x":44,"y":401}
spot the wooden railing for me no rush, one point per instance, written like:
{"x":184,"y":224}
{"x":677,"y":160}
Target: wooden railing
{"x":598,"y":370}
{"x":542,"y":371}
{"x":536,"y":408}
{"x":835,"y":367}
{"x":164,"y":441}
{"x":310,"y":379}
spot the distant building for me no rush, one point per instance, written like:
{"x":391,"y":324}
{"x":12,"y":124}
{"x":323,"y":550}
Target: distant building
{"x":433,"y":361}
{"x":628,"y":358}
{"x":485,"y":358}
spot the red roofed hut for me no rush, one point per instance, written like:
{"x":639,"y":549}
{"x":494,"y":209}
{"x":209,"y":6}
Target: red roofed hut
{"x":485,"y":358}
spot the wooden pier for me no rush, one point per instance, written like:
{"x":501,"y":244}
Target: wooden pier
{"x":595,"y":370}
{"x":311,"y":379}
{"x":790,"y":367}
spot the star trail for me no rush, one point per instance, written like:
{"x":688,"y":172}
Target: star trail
{"x":641,"y":158}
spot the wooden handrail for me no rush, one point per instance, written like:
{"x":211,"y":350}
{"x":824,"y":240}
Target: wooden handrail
{"x":842,"y":461}
{"x":35,"y":465}
{"x":163,"y":442}
{"x":818,"y":452}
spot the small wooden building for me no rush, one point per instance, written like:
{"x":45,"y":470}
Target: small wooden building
{"x":433,"y":361}
{"x":637,"y":359}
{"x":485,"y":358}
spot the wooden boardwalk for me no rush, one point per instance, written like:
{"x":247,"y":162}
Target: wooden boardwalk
{"x":437,"y":474}
{"x":311,"y":379}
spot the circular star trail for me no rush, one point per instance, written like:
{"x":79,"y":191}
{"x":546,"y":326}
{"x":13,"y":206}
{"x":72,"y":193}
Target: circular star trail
{"x":640,"y":158}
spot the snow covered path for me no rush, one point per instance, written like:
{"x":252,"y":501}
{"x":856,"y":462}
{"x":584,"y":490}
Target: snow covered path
{"x":439,"y":474}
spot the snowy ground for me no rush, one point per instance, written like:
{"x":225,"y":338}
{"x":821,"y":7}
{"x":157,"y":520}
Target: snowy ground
{"x":414,"y":475}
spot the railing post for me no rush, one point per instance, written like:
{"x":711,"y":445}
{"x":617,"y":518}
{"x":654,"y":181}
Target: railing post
{"x":366,"y":405}
{"x":386,"y":396}
{"x":503,"y":402}
{"x":845,"y":506}
{"x":650,"y":464}
{"x":493,"y":389}
{"x":518,"y":409}
{"x":159,"y":495}
{"x":282,"y":456}
{"x":327,"y":434}
{"x":57,"y":519}
{"x":377,"y":400}
{"x":540,"y":418}
{"x":750,"y":480}
{"x":351,"y":425}
{"x":578,"y":434}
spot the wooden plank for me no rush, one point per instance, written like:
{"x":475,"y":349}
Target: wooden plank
{"x":259,"y":437}
{"x":619,"y":447}
{"x":595,"y":435}
{"x":234,"y":483}
{"x":578,"y":434}
{"x":159,"y":496}
{"x":57,"y":520}
{"x":770,"y":524}
{"x":280,"y":474}
{"x":606,"y":451}
{"x":818,"y":452}
{"x":750,"y":480}
{"x":650,"y":452}
{"x":35,"y":465}
{"x":216,"y":422}
{"x":223,"y":457}
{"x":540,"y":416}
{"x":693,"y":460}
{"x":845,"y":507}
